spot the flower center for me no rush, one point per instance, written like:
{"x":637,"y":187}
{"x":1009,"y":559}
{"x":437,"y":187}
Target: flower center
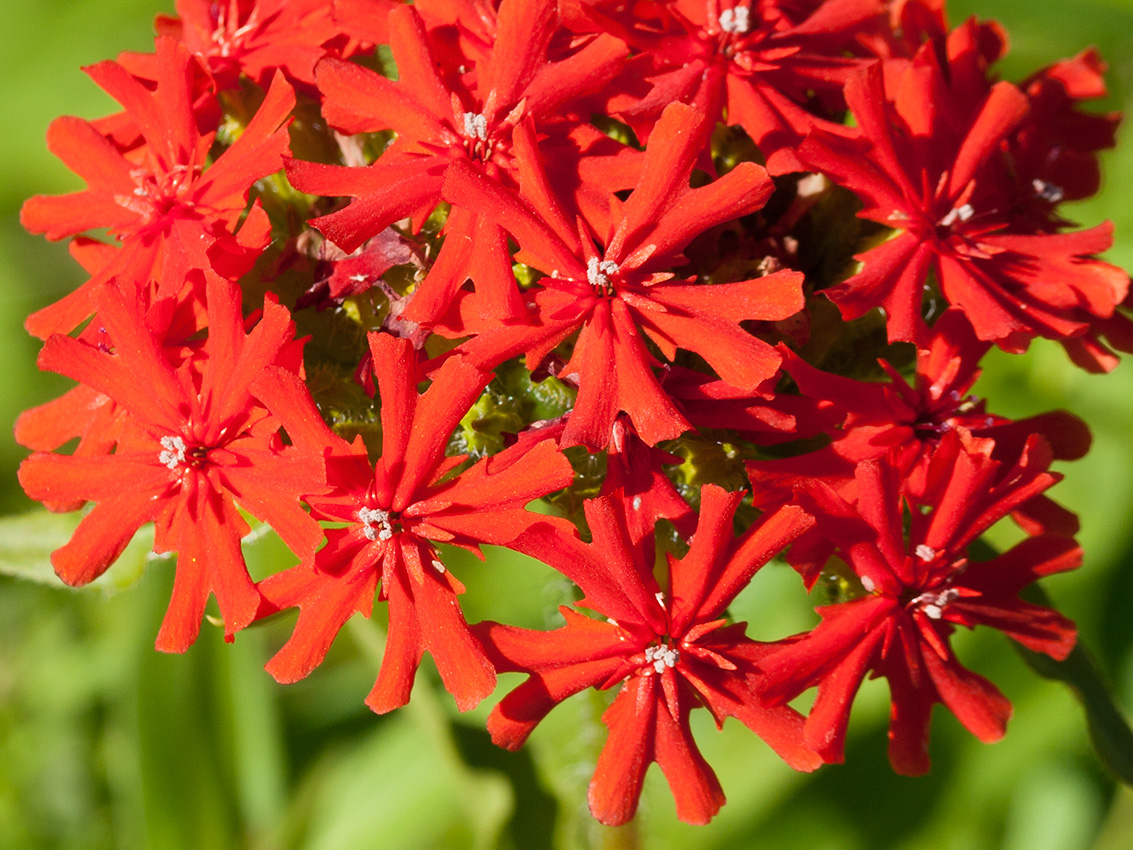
{"x":475,"y":126}
{"x":477,"y":140}
{"x":933,"y":604}
{"x":173,"y":452}
{"x":599,"y":272}
{"x":376,"y":523}
{"x":176,"y":453}
{"x":956,"y":214}
{"x":155,"y":195}
{"x":736,"y":20}
{"x":661,"y":657}
{"x":1047,"y":191}
{"x":227,"y":33}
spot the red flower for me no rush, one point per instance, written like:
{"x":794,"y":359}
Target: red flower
{"x":670,"y":652}
{"x":767,"y":66}
{"x":613,"y":294}
{"x":443,"y":116}
{"x":253,"y":37}
{"x":931,"y":165}
{"x":908,"y":419}
{"x":160,"y":200}
{"x":393,"y":512}
{"x":192,"y":445}
{"x":918,"y":587}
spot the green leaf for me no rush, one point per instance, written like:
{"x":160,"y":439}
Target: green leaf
{"x":1109,"y":730}
{"x":27,"y":541}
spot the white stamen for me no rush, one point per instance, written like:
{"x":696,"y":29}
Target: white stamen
{"x":736,"y":20}
{"x":868,"y":584}
{"x":174,"y":454}
{"x":375,"y":516}
{"x":475,"y":126}
{"x":958,"y":214}
{"x":660,"y":599}
{"x":1047,"y":191}
{"x":359,"y":278}
{"x":933,"y":604}
{"x":925,"y":552}
{"x":637,"y":503}
{"x":598,"y":273}
{"x":439,"y":567}
{"x":661,"y":657}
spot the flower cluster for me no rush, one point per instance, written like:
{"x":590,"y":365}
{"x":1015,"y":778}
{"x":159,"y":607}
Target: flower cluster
{"x":640,"y":261}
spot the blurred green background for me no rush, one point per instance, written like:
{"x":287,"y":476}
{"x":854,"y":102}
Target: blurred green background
{"x":106,"y":744}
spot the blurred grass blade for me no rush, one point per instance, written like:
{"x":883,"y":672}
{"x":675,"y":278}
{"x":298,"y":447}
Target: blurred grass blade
{"x":27,"y":541}
{"x":1109,"y":731}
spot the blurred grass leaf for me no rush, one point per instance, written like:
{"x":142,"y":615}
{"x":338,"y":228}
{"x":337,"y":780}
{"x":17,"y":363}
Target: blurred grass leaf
{"x":27,"y":541}
{"x":1109,"y":732}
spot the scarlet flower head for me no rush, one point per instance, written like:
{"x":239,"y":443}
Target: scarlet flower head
{"x":774,"y":68}
{"x":443,"y":115}
{"x":393,"y":512}
{"x":612,"y":281}
{"x":193,"y":445}
{"x":917,"y":587}
{"x":163,"y":200}
{"x":907,"y":419}
{"x":670,"y":652}
{"x":253,"y":37}
{"x":939,"y":177}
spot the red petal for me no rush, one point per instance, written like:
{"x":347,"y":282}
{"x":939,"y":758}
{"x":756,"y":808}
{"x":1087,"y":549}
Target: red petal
{"x":340,"y":583}
{"x":909,"y":715}
{"x":975,"y":701}
{"x":620,"y":772}
{"x":1001,"y":113}
{"x":695,"y":788}
{"x":256,"y":153}
{"x":523,"y":30}
{"x":403,"y":650}
{"x":207,"y":534}
{"x":358,"y":100}
{"x":101,"y":537}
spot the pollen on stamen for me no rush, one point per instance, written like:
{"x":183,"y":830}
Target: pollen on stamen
{"x":933,"y":604}
{"x":376,"y":523}
{"x":736,"y":20}
{"x":925,"y":552}
{"x":598,"y":272}
{"x":174,"y":451}
{"x":962,"y":213}
{"x":868,"y":584}
{"x":475,"y":126}
{"x":661,"y":657}
{"x":438,"y":566}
